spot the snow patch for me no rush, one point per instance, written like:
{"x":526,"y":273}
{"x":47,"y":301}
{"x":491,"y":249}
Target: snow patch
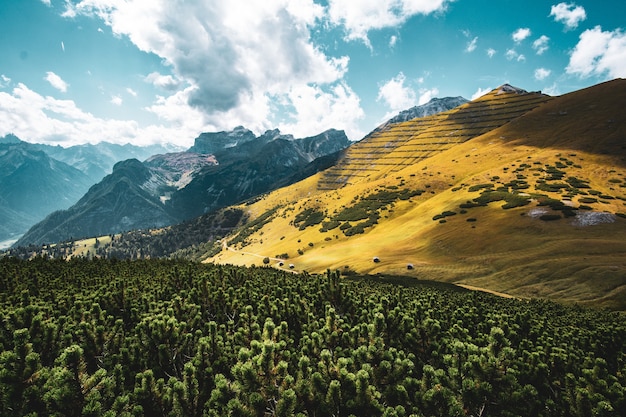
{"x":592,"y":218}
{"x":537,"y":212}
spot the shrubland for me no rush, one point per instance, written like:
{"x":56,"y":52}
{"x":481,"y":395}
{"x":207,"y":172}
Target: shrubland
{"x":176,"y":338}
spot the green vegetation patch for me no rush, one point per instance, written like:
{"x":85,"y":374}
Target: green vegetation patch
{"x":308,"y":217}
{"x":512,"y":199}
{"x":176,"y":338}
{"x":366,"y":210}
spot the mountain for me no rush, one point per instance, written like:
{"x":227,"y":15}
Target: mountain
{"x":212,"y":142}
{"x":255,"y":167}
{"x":169,"y":188}
{"x":434,"y":106}
{"x":37,"y":179}
{"x":119,"y":202}
{"x":97,"y":160}
{"x":32,"y":184}
{"x":515,"y":192}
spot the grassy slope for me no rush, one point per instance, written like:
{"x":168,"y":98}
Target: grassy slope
{"x":503,"y":250}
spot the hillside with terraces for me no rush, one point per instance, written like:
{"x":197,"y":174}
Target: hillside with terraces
{"x":404,"y":144}
{"x":515,"y":192}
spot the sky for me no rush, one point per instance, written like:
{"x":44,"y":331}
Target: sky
{"x":164,"y":71}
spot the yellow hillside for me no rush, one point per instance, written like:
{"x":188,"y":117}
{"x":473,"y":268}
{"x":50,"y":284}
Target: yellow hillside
{"x":424,"y":198}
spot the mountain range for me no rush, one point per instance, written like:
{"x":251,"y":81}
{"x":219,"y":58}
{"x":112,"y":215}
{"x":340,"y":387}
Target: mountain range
{"x":221,"y":168}
{"x":37,"y":179}
{"x":515,"y":192}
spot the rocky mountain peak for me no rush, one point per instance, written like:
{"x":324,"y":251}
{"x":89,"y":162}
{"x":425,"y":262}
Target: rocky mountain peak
{"x":508,"y":88}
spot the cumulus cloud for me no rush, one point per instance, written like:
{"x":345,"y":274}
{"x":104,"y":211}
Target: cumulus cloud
{"x":56,"y":81}
{"x":471,"y":45}
{"x":117,"y":100}
{"x":569,"y":14}
{"x":392,"y":41}
{"x":226,"y":54}
{"x":542,"y":74}
{"x":481,"y":92}
{"x":46,"y":2}
{"x":166,"y":82}
{"x":395,"y":94}
{"x":427,"y":95}
{"x":131,"y":92}
{"x":520,"y":34}
{"x":360,"y":17}
{"x":513,"y":55}
{"x":316,"y":110}
{"x":540,"y":45}
{"x":491,"y":52}
{"x":37,"y":118}
{"x":552,"y":90}
{"x":4,"y":81}
{"x":599,"y":53}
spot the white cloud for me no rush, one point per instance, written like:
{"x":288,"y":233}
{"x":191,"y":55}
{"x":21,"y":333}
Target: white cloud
{"x":552,"y":90}
{"x":4,"y":81}
{"x":513,"y":55}
{"x":225,"y":54}
{"x":166,"y":82}
{"x":599,"y":53}
{"x":491,"y":52}
{"x":62,"y":46}
{"x":131,"y":91}
{"x":520,"y":34}
{"x":117,"y":100}
{"x":392,"y":41}
{"x":540,"y":45}
{"x":427,"y":95}
{"x":316,"y":110}
{"x":56,"y":81}
{"x":542,"y":74}
{"x":46,"y":2}
{"x":471,"y":45}
{"x":396,"y":95}
{"x":360,"y":17}
{"x":37,"y":118}
{"x":481,"y":92}
{"x":569,"y":14}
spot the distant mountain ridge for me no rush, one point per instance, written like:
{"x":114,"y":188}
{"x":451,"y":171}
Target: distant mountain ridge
{"x":32,"y":184}
{"x":173,"y":187}
{"x":38,"y":179}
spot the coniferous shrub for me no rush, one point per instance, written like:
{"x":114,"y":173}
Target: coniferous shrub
{"x":177,"y":338}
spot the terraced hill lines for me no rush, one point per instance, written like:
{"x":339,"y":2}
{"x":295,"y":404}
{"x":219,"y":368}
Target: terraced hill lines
{"x":404,"y":144}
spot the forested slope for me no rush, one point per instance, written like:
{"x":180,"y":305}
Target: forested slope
{"x":175,"y":338}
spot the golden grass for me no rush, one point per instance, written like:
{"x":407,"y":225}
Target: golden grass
{"x":505,"y":251}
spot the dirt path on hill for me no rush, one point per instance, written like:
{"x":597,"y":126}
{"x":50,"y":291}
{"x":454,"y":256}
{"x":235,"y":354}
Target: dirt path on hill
{"x":499,"y":294}
{"x":276,"y":264}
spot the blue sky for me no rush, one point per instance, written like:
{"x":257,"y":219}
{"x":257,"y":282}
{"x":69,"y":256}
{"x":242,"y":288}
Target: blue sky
{"x":163,"y":71}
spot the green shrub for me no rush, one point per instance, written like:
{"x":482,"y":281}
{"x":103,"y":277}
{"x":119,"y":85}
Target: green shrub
{"x":479,"y":187}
